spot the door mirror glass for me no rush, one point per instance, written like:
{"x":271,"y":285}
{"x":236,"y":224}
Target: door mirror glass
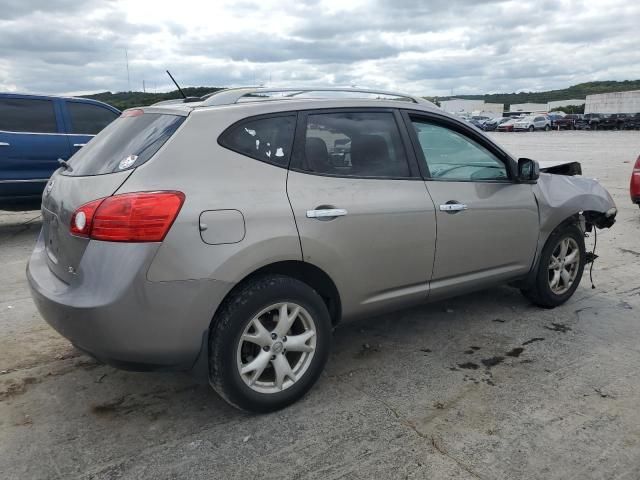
{"x":528,"y":170}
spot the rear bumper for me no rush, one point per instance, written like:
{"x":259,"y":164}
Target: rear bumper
{"x":112,"y":312}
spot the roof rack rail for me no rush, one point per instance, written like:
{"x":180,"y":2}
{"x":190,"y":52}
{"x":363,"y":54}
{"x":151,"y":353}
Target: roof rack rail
{"x":230,"y":96}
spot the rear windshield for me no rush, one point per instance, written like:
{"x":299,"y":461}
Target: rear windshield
{"x":126,"y":143}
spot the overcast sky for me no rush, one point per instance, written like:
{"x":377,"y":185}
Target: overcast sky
{"x":429,"y":47}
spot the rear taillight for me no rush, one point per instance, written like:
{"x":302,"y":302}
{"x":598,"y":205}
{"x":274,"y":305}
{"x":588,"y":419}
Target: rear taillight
{"x":130,"y":217}
{"x":83,"y":217}
{"x":636,"y":167}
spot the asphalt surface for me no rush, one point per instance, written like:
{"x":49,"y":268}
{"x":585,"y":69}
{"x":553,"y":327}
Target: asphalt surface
{"x":482,"y":386}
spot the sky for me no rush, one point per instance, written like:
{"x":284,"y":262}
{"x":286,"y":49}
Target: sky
{"x":424,"y":47}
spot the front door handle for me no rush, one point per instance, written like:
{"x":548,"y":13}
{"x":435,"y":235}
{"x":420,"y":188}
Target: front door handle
{"x":326,"y":213}
{"x":4,"y":144}
{"x":453,"y":207}
{"x":79,"y":145}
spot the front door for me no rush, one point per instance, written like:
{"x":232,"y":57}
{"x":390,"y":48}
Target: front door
{"x":363,"y":214}
{"x":31,"y":142}
{"x":487,"y":223}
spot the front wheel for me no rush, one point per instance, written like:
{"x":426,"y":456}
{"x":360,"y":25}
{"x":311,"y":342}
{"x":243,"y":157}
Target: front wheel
{"x":269,"y":343}
{"x":547,"y":128}
{"x":532,"y":128}
{"x":560,"y":267}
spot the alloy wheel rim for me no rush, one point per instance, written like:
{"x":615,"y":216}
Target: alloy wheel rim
{"x":563,"y":265}
{"x":276,"y":347}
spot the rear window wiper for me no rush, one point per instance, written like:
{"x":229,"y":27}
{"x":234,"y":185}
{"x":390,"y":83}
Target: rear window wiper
{"x":65,"y":164}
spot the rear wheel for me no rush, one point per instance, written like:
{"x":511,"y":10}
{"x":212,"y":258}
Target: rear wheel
{"x":532,"y":128}
{"x":547,"y":128}
{"x":269,"y":343}
{"x":560,"y":267}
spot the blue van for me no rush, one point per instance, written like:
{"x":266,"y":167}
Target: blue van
{"x":36,"y":131}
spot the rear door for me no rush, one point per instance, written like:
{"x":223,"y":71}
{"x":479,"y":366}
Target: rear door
{"x":487,"y":224}
{"x":363,"y":214}
{"x":84,"y":120}
{"x":31,"y":142}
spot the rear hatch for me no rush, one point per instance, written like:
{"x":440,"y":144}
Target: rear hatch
{"x":97,"y":171}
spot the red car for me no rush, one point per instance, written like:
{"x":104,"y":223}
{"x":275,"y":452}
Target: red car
{"x":634,"y":188}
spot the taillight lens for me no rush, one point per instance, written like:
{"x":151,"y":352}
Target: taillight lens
{"x":130,"y":217}
{"x":83,"y":217}
{"x":636,"y":167}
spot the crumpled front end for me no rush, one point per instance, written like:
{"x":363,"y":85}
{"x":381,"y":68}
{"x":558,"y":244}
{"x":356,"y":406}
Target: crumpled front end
{"x":562,"y":196}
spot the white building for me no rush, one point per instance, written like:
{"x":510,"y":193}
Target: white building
{"x":472,"y":107}
{"x":496,"y":109}
{"x":618,"y":102}
{"x":528,"y":107}
{"x":564,"y":103}
{"x":459,"y":105}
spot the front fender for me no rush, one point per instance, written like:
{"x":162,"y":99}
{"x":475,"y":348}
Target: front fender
{"x":561,"y":198}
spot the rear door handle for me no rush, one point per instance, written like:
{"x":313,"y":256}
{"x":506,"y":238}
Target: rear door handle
{"x":326,"y":213}
{"x":4,"y":144}
{"x":453,"y":207}
{"x":78,"y":145}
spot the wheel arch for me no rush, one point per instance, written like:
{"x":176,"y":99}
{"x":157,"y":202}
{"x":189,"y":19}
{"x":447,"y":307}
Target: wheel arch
{"x":307,"y":273}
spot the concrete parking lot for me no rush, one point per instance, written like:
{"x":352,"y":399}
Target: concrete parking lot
{"x":483,"y":386}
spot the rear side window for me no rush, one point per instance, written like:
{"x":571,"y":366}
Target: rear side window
{"x":27,"y":115}
{"x":266,"y":139}
{"x":354,"y":145}
{"x":89,"y":119}
{"x":126,"y":143}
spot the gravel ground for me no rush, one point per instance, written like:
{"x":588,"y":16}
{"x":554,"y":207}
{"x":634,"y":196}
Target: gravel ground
{"x":483,"y":386}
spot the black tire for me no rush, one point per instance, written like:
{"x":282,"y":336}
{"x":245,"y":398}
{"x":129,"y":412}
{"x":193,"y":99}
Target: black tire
{"x":532,"y":128}
{"x":547,"y":128}
{"x":540,"y":292}
{"x":229,"y":324}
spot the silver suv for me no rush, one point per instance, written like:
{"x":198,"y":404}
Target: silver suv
{"x":231,"y":235}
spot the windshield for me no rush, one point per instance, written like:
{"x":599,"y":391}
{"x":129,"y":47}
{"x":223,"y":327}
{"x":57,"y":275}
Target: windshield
{"x":126,"y":143}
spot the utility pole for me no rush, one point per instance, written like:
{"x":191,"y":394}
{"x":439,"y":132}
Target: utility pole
{"x":126,"y":57}
{"x":144,"y":88}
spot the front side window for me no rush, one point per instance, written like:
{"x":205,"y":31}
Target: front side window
{"x":354,"y":145}
{"x":89,"y":119}
{"x":452,"y":156}
{"x":267,"y":139}
{"x":27,"y":115}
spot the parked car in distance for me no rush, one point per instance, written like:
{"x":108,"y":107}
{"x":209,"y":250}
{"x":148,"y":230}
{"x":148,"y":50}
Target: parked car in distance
{"x":613,"y":121}
{"x":507,"y":126}
{"x":568,"y":121}
{"x":532,"y":122}
{"x":478,"y":120}
{"x":633,"y":122}
{"x":588,"y":121}
{"x":36,"y":131}
{"x":553,"y":118}
{"x":492,"y":124}
{"x":222,"y":235}
{"x":634,"y":188}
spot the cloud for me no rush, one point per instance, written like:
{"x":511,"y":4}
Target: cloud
{"x":430,"y":48}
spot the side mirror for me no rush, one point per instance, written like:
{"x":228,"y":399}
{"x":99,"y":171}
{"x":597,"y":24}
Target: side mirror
{"x":528,"y":170}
